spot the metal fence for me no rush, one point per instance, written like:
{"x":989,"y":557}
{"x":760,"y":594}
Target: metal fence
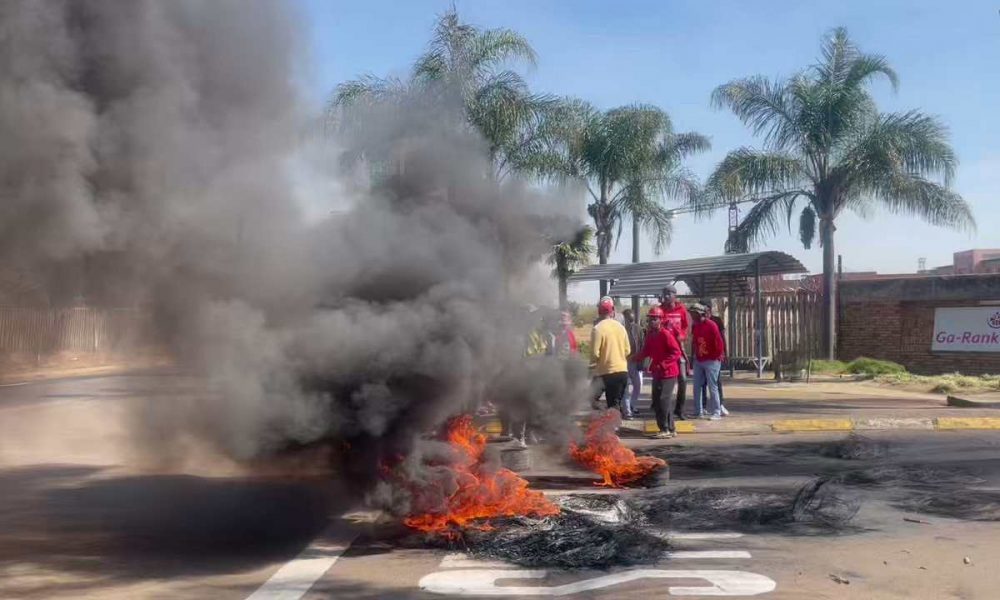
{"x":791,"y":325}
{"x":46,"y":331}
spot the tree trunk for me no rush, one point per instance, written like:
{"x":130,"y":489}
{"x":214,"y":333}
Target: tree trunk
{"x":563,"y":296}
{"x":603,"y":234}
{"x":635,"y":259}
{"x":829,"y":348}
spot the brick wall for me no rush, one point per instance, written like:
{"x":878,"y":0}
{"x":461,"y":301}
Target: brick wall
{"x":869,"y":328}
{"x":879,"y":320}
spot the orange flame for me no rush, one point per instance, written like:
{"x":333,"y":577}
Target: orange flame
{"x":603,"y":453}
{"x":475,"y":491}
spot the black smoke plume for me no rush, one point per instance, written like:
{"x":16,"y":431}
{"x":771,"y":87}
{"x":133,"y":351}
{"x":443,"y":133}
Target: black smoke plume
{"x":148,"y":160}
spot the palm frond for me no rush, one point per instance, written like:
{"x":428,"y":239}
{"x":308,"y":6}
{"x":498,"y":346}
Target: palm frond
{"x":747,"y":173}
{"x":682,"y":185}
{"x":911,"y":194}
{"x":366,"y":89}
{"x":767,"y":107}
{"x":499,"y":45}
{"x":838,"y":53}
{"x":682,"y":145}
{"x":866,"y":66}
{"x":659,"y":223}
{"x":909,"y":142}
{"x":765,"y":218}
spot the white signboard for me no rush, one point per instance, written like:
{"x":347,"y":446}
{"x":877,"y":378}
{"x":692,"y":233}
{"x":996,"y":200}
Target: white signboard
{"x":974,"y":329}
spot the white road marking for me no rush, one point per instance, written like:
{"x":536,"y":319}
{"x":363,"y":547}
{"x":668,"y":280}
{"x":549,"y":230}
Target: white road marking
{"x":463,"y":561}
{"x":295,"y":578}
{"x":694,"y":554}
{"x":3,"y":385}
{"x":703,"y":536}
{"x":482,"y":582}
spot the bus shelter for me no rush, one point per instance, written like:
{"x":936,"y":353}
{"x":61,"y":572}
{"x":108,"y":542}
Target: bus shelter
{"x":726,"y":276}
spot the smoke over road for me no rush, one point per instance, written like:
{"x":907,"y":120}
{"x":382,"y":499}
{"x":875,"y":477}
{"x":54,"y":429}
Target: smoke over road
{"x":146,"y":160}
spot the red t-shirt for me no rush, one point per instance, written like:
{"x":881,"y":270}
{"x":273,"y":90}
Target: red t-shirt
{"x":661,"y":346}
{"x":677,"y":317}
{"x":708,"y":343}
{"x":571,"y":340}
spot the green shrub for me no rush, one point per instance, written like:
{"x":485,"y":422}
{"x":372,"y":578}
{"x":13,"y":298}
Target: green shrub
{"x":583,"y":347}
{"x":833,"y":367}
{"x":872,"y":366}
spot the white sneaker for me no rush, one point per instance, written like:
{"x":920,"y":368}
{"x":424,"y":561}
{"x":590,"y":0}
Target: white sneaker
{"x":715,"y":418}
{"x":724,"y":410}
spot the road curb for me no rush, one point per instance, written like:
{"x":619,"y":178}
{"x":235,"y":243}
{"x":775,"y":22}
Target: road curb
{"x":962,"y":402}
{"x":953,"y":423}
{"x":734,"y":425}
{"x":790,"y":425}
{"x":885,"y":423}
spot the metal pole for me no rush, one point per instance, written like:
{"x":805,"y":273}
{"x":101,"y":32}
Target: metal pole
{"x":729,"y":327}
{"x":760,"y":319}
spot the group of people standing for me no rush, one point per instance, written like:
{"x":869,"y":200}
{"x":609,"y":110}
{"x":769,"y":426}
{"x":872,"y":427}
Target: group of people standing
{"x":622,"y":351}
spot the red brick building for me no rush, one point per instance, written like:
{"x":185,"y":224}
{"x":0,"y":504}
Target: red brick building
{"x":892,"y":318}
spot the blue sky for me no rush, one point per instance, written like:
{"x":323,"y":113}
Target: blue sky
{"x":674,"y":53}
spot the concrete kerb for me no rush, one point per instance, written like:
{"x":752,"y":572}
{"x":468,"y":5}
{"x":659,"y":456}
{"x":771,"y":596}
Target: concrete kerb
{"x":735,"y":425}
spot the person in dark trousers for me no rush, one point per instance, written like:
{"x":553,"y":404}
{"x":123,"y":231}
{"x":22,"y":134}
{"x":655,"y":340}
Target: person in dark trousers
{"x":676,"y":316}
{"x":722,"y":331}
{"x":660,"y":355}
{"x":630,"y":402}
{"x":609,"y":350}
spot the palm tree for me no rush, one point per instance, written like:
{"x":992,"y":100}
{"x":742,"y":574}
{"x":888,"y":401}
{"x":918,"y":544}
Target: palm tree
{"x":630,"y":159}
{"x":465,"y":64}
{"x":827,"y":148}
{"x":568,"y":255}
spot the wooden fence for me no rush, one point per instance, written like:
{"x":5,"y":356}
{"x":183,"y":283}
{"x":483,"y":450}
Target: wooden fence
{"x":791,"y":325}
{"x":47,"y":331}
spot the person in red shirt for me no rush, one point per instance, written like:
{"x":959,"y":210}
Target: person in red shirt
{"x":566,"y":344}
{"x":660,"y":355}
{"x":708,"y":349}
{"x":710,"y":313}
{"x":675,"y":316}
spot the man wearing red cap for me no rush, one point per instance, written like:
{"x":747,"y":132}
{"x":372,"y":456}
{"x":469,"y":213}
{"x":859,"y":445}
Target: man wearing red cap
{"x":609,"y":349}
{"x":660,"y":355}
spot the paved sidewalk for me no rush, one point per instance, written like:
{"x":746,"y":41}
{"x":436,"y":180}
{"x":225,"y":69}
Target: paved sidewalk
{"x":828,"y":406}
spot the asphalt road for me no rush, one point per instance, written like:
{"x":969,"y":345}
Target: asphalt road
{"x":85,"y":513}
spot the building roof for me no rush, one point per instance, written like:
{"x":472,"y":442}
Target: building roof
{"x":710,"y":276}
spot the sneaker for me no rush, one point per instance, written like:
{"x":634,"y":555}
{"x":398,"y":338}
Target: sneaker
{"x":706,"y":417}
{"x":714,"y":418}
{"x":521,"y":444}
{"x":724,"y":410}
{"x":662,"y":435}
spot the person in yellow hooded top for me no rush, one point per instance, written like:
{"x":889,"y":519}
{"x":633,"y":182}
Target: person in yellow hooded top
{"x":609,"y":348}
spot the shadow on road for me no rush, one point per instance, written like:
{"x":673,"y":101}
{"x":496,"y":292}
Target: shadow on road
{"x":156,"y":526}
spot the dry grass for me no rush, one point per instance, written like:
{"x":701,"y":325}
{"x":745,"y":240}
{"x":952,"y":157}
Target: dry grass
{"x":943,"y":384}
